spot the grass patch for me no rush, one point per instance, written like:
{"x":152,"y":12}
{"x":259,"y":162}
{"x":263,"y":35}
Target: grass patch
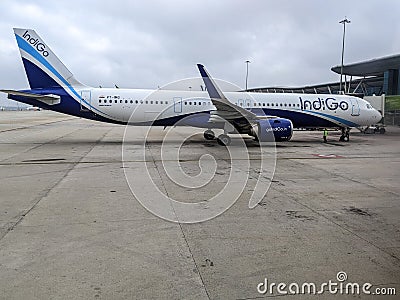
{"x":392,"y":103}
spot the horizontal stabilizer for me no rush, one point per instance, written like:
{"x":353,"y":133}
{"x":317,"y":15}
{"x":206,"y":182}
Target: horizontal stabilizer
{"x":48,"y":99}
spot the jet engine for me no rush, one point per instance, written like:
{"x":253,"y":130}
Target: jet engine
{"x":272,"y":129}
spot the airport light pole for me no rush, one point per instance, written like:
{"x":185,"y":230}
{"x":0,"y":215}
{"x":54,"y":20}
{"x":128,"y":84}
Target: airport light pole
{"x":247,"y":71}
{"x":344,"y":21}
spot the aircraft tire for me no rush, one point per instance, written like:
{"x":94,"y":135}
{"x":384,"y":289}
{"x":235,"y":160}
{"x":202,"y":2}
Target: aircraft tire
{"x":224,"y":140}
{"x":209,"y":135}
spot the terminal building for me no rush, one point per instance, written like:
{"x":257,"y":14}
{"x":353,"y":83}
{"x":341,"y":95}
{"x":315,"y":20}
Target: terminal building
{"x":377,"y":80}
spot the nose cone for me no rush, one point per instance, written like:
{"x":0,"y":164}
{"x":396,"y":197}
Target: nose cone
{"x":377,"y":116}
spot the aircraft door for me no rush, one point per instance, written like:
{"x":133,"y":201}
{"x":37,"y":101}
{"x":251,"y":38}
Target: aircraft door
{"x":355,"y":107}
{"x":177,"y":104}
{"x":86,"y":100}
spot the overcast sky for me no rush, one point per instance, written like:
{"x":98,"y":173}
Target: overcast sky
{"x":145,"y":44}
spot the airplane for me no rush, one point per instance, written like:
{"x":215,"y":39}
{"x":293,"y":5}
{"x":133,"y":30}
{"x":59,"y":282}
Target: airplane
{"x":260,"y":115}
{"x":34,"y":108}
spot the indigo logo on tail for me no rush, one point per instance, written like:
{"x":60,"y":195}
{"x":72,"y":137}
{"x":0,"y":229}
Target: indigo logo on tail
{"x":40,"y":47}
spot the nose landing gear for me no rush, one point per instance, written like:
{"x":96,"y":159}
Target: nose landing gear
{"x":345,"y":137}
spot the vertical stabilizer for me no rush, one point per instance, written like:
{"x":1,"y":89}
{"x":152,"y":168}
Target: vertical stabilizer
{"x":42,"y":67}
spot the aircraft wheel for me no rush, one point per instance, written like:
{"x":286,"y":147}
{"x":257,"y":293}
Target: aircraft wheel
{"x":209,"y":135}
{"x":382,"y":130}
{"x":224,"y":140}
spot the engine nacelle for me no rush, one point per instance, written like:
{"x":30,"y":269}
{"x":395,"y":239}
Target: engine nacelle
{"x":273,"y":129}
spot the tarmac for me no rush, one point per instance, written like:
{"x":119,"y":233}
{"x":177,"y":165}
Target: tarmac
{"x":73,"y":227}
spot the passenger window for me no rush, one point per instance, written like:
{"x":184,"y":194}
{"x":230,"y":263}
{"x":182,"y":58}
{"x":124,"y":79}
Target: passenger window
{"x":99,"y":101}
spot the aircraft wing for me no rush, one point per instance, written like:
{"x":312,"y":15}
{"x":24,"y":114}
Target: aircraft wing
{"x":225,"y":109}
{"x":49,"y":99}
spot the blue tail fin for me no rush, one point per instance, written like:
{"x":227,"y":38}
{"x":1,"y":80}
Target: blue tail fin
{"x":42,"y":67}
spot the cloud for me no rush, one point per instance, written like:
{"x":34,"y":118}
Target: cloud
{"x":144,"y":44}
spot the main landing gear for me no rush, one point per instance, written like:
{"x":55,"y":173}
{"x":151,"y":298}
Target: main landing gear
{"x":345,"y":134}
{"x":222,"y":139}
{"x":209,"y":134}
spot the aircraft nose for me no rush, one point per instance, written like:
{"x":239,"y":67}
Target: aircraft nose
{"x":377,"y":116}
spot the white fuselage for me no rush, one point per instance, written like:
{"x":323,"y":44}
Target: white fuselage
{"x":142,"y":106}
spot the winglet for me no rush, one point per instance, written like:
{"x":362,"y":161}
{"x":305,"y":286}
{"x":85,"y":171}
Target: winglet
{"x":202,"y":70}
{"x":225,"y":108}
{"x":213,"y":91}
